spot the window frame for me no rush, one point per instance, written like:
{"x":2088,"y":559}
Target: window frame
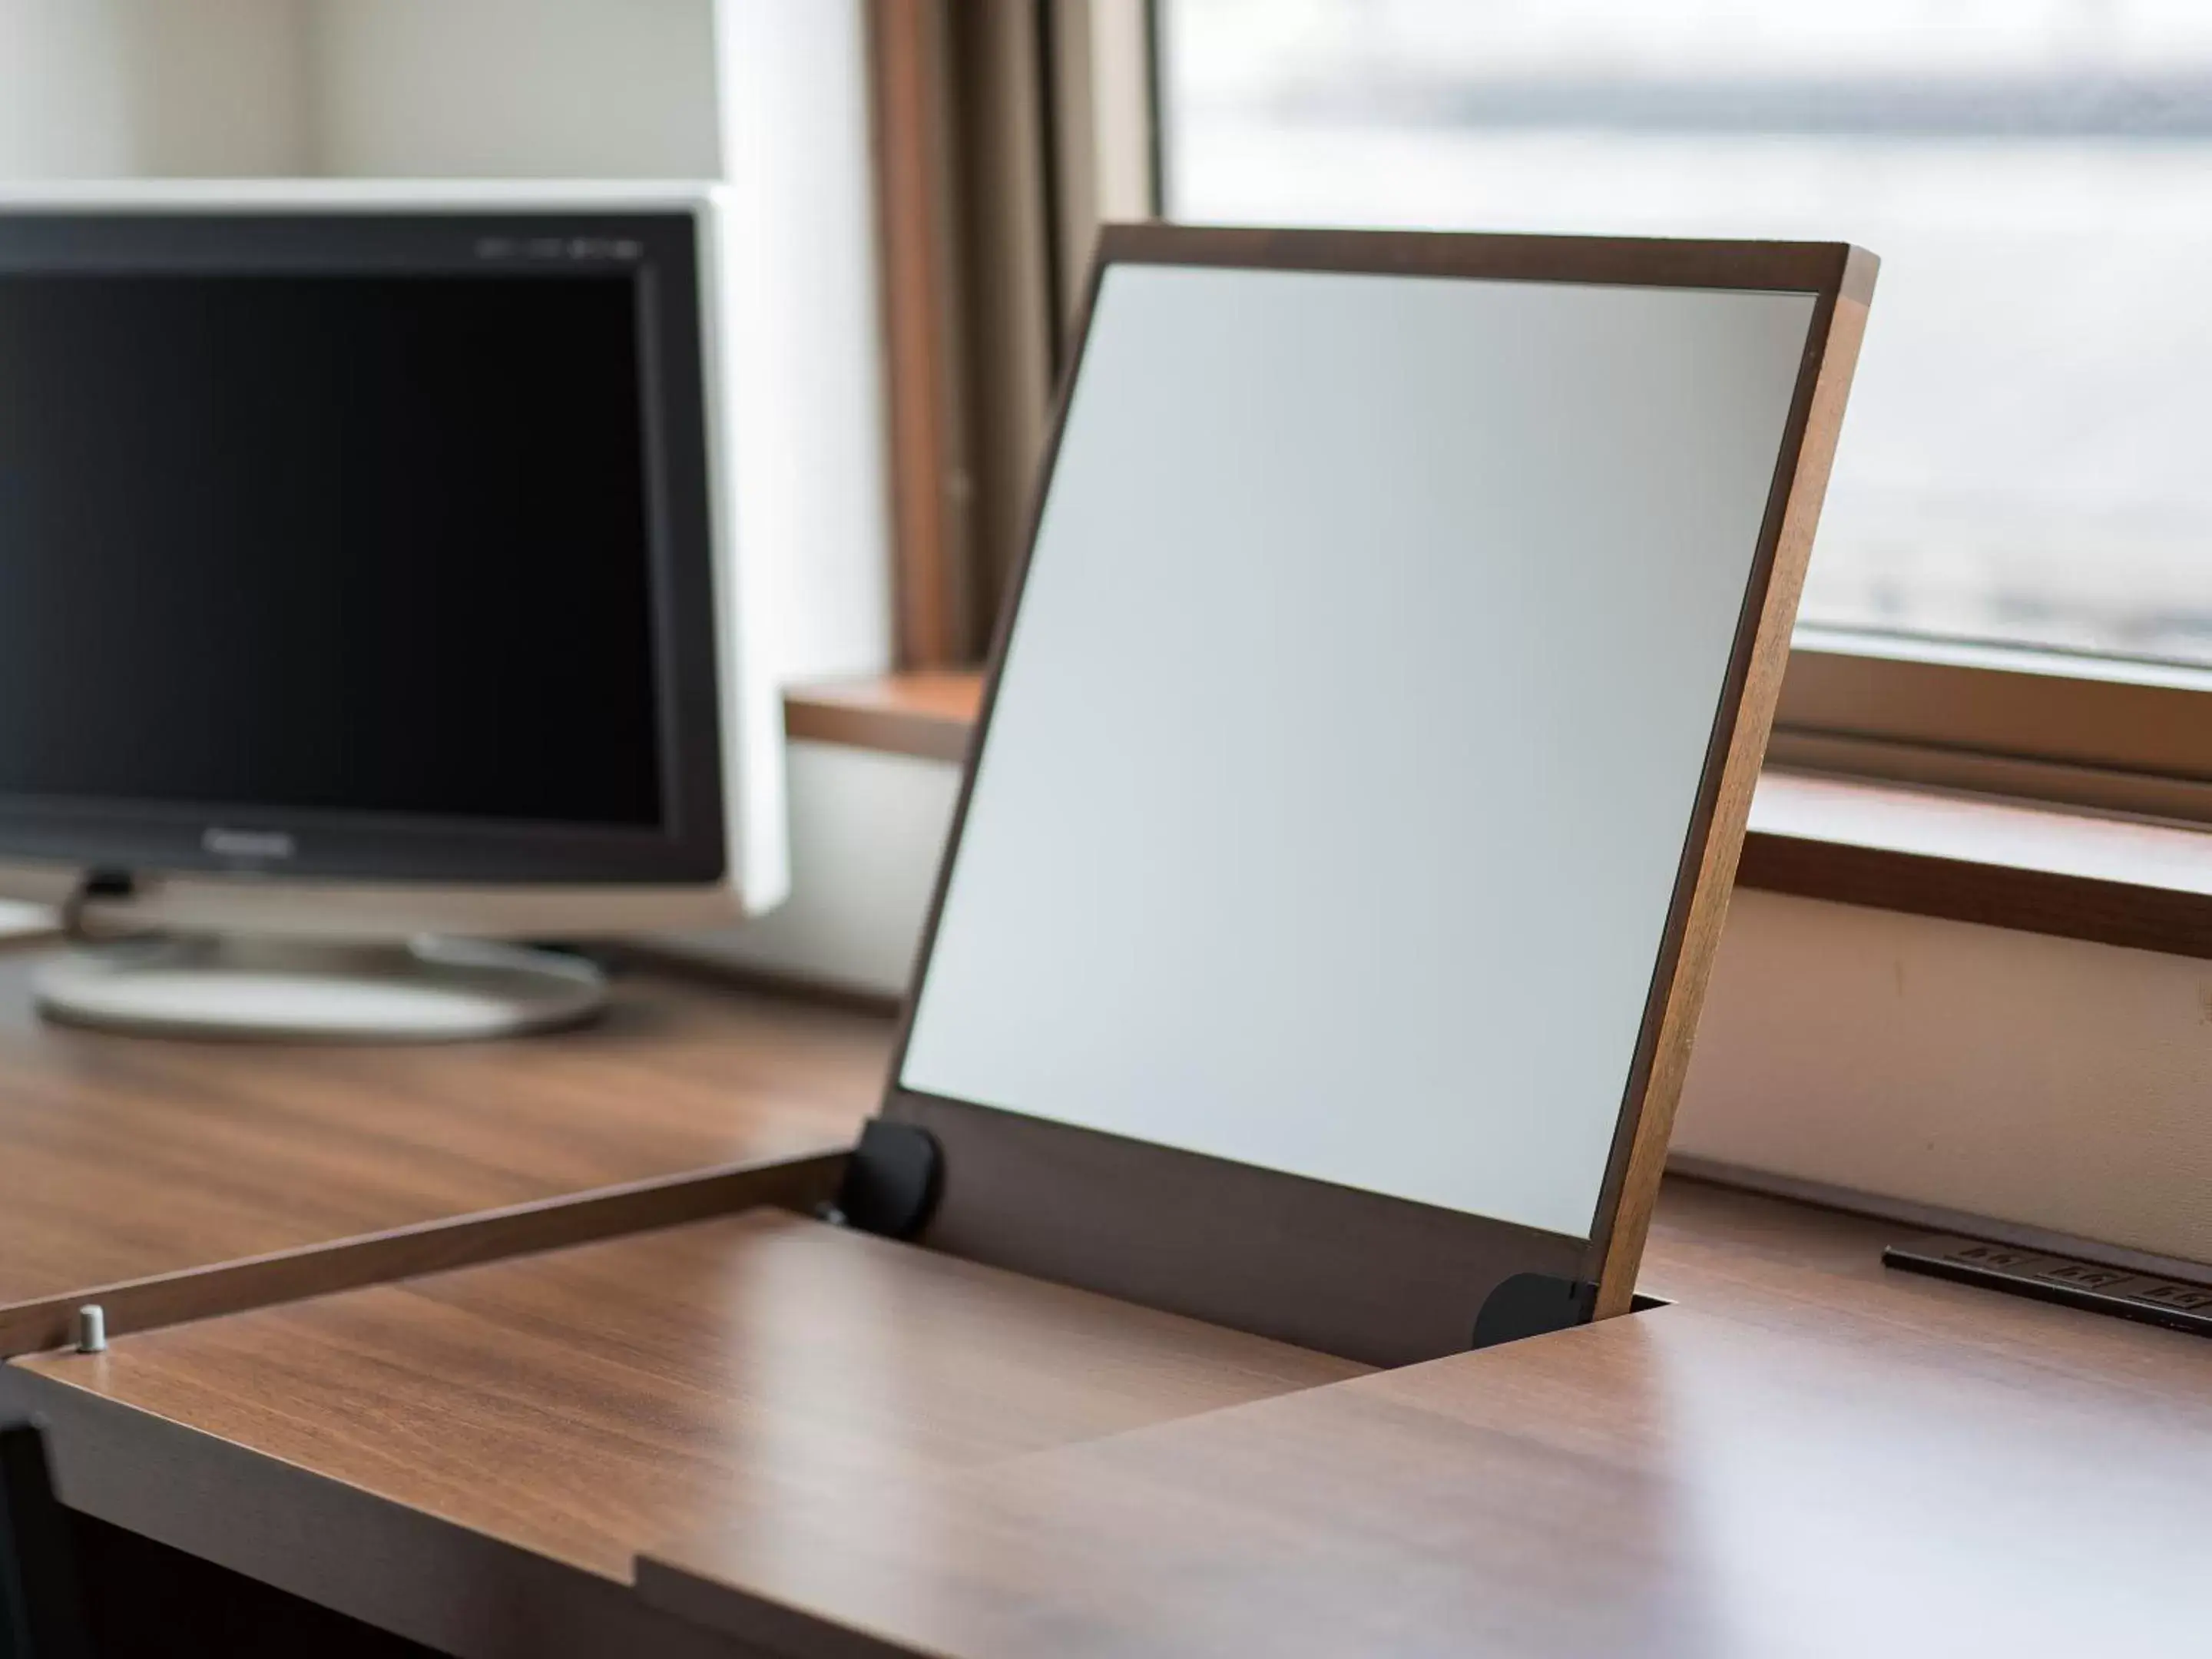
{"x":2134,"y":738}
{"x":1075,"y":85}
{"x":1006,"y":132}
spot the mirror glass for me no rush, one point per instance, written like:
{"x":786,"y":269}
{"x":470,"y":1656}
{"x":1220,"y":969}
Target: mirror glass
{"x":1352,"y":720}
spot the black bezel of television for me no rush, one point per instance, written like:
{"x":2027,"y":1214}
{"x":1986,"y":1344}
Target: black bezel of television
{"x":659,"y":250}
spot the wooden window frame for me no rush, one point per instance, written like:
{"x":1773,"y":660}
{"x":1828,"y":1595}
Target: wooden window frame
{"x":2129,"y":737}
{"x":1006,"y":132}
{"x":1009,"y":131}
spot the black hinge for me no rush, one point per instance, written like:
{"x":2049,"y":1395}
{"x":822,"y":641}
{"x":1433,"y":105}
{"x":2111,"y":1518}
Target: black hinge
{"x":891,"y":1179}
{"x":1529,"y":1304}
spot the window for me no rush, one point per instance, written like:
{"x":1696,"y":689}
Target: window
{"x":2013,"y":585}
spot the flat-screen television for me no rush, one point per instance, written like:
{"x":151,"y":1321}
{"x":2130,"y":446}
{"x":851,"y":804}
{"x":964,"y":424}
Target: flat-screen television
{"x":365,"y":568}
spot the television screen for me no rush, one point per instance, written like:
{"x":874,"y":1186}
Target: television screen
{"x":337,"y":541}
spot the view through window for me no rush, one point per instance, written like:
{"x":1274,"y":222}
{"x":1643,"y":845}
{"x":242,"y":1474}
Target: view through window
{"x":2028,"y":456}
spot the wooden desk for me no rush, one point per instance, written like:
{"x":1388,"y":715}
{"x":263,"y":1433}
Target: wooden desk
{"x":820,"y":1444}
{"x":1805,"y":1456}
{"x":130,"y":1167}
{"x":576,"y":1406}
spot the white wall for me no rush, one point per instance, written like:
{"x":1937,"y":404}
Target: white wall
{"x":218,"y":88}
{"x":370,"y":88}
{"x":2045,"y":1081}
{"x":515,"y":88}
{"x":806,"y":498}
{"x":797,"y":159}
{"x":106,"y":89}
{"x":62,"y":104}
{"x":867,"y":829}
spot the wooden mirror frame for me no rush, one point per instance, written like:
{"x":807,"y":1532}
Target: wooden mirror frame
{"x":1346,"y":1270}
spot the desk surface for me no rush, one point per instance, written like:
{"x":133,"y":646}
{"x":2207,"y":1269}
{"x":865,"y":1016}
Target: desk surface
{"x":589,"y":1402}
{"x":804,"y":1440}
{"x":819,"y":1443}
{"x":123,"y":1158}
{"x":1805,"y":1455}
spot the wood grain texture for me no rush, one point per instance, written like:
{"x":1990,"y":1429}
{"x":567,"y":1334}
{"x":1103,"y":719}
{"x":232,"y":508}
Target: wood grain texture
{"x":202,"y":1292}
{"x":2000,"y":721}
{"x":585,"y":1403}
{"x":929,"y":714}
{"x":1669,"y":261}
{"x":1010,"y":316}
{"x":2002,"y":864}
{"x":1803,"y":1457}
{"x":127,"y":1158}
{"x":918,"y":216}
{"x":1748,"y":720}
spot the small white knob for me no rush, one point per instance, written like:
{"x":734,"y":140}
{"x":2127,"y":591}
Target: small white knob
{"x":92,"y":1329}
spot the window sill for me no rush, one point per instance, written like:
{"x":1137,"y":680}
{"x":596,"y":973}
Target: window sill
{"x":927,"y":715}
{"x":2047,"y":870}
{"x":2069,"y":873}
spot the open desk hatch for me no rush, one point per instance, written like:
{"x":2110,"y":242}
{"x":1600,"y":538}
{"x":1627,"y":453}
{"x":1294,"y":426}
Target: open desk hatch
{"x":1362,"y":773}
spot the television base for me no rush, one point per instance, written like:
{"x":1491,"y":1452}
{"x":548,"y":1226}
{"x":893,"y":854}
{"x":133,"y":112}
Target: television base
{"x":290,"y":991}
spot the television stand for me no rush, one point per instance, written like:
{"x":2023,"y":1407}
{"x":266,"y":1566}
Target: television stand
{"x":429,"y":990}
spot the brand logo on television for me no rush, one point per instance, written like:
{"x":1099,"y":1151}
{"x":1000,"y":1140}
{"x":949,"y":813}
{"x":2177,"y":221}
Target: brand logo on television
{"x":248,"y":843}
